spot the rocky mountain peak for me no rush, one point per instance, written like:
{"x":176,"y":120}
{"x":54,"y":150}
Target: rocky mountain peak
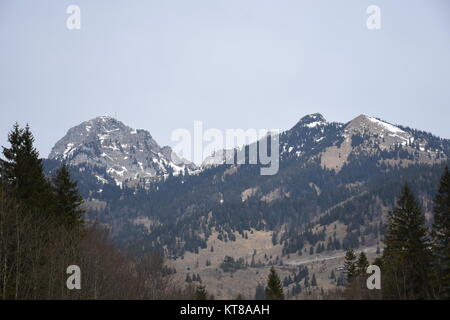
{"x":312,"y":120}
{"x":127,"y":155}
{"x":390,"y":134}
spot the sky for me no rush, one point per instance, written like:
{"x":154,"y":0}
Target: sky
{"x":161,"y":65}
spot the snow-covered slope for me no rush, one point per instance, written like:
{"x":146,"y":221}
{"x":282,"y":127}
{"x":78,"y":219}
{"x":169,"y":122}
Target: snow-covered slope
{"x":366,"y":136}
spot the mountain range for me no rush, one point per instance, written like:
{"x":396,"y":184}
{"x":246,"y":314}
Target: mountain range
{"x":331,"y":175}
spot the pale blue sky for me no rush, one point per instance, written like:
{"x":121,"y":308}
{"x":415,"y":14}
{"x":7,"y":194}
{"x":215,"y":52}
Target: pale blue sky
{"x":160,"y":65}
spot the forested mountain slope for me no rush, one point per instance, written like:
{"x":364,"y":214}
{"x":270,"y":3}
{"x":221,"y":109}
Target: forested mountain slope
{"x":329,"y":172}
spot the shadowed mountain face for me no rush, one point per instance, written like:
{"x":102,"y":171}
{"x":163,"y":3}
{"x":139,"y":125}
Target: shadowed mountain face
{"x":330,"y":173}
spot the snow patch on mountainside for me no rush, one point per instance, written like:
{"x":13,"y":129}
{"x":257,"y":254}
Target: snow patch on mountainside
{"x":387,"y":126}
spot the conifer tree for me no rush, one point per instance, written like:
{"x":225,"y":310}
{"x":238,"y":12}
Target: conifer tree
{"x":350,"y":264}
{"x":260,"y":292}
{"x":201,"y":293}
{"x":306,"y":282}
{"x":406,"y":258}
{"x":332,"y":275}
{"x":441,"y":238}
{"x":340,"y":280}
{"x":274,"y":289}
{"x":67,"y":198}
{"x":313,"y":280}
{"x":22,"y":172}
{"x":362,"y":264}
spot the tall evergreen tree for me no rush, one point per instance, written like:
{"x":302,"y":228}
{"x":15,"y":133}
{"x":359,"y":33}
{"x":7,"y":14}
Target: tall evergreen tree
{"x":406,"y":257}
{"x":332,"y":275}
{"x":314,"y":281}
{"x":274,"y":289}
{"x":350,"y":264}
{"x":441,"y":238}
{"x":22,"y":172}
{"x":259,"y":292}
{"x":362,"y":264}
{"x":67,"y":198}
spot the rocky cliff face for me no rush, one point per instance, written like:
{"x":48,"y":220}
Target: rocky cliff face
{"x":127,"y":155}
